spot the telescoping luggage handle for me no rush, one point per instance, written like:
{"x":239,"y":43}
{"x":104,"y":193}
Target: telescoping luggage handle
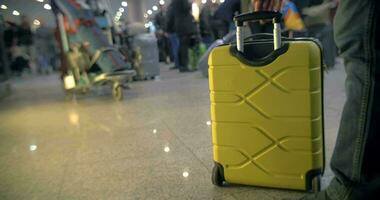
{"x":254,"y":16}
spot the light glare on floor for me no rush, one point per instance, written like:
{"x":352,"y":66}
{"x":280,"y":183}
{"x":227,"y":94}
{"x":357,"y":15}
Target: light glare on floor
{"x":185,"y":174}
{"x":167,"y":149}
{"x":33,"y":147}
{"x":154,"y":131}
{"x":36,"y":22}
{"x":208,"y":123}
{"x":74,"y":118}
{"x":15,"y":13}
{"x":47,"y":7}
{"x":4,"y":7}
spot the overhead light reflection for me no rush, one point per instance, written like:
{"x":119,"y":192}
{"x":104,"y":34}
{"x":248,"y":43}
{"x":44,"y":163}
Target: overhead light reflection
{"x":155,"y":8}
{"x":167,"y":149}
{"x":33,"y":147}
{"x":124,"y":4}
{"x":149,"y":12}
{"x":74,"y":118}
{"x":208,"y":123}
{"x":154,"y":131}
{"x":15,"y":13}
{"x":47,"y":6}
{"x":4,"y":7}
{"x":185,"y":174}
{"x":36,"y":22}
{"x":162,"y":2}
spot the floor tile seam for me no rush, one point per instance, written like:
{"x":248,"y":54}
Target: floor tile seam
{"x":62,"y":181}
{"x":186,"y":146}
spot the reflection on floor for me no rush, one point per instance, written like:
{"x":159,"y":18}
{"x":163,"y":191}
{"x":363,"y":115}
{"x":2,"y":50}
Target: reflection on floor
{"x":156,"y":144}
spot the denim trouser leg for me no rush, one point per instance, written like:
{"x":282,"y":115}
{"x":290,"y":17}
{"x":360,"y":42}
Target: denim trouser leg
{"x":357,"y":146}
{"x":174,"y":42}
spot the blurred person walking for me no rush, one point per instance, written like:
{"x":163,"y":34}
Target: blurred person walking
{"x":186,"y":28}
{"x":211,"y":28}
{"x":160,"y":22}
{"x":45,"y":48}
{"x":25,"y":36}
{"x":225,"y":13}
{"x":318,"y":24}
{"x":173,"y":37}
{"x":355,"y":162}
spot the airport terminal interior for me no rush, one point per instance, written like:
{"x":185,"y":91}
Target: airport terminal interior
{"x":110,"y":99}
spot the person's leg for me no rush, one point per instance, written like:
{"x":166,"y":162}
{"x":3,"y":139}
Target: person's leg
{"x":354,"y":158}
{"x":184,"y":42}
{"x":175,"y":49}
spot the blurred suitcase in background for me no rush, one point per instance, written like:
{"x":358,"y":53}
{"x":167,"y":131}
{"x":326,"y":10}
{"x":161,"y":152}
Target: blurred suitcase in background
{"x":147,"y":44}
{"x":267,"y":111}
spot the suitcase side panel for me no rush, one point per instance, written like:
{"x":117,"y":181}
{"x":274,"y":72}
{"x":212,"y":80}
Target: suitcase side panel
{"x":267,"y":121}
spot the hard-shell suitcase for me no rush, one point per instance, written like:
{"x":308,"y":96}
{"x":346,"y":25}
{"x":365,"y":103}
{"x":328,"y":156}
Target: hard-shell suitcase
{"x":147,"y":45}
{"x":267,"y":111}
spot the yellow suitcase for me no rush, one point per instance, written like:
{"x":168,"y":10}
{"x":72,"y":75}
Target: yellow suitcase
{"x":267,"y":110}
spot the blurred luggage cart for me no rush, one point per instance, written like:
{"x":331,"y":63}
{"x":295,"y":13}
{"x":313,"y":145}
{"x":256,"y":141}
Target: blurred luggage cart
{"x":90,"y":59}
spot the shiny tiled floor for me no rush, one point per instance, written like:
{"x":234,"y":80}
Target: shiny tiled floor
{"x":155,"y":144}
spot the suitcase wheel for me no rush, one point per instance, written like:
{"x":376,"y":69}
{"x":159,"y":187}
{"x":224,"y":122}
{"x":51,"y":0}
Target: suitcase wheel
{"x":217,"y":176}
{"x":316,"y":184}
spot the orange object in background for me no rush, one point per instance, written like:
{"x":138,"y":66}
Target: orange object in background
{"x":292,"y":18}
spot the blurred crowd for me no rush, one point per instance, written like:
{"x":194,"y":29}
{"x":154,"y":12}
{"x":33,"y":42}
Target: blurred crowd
{"x":179,"y":33}
{"x":30,"y":50}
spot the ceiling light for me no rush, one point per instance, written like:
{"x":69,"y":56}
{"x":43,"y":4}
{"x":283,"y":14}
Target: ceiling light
{"x":47,"y":6}
{"x":162,"y":2}
{"x":149,"y":12}
{"x":15,"y":13}
{"x":204,"y":1}
{"x":40,"y":1}
{"x":4,"y":7}
{"x":155,"y":8}
{"x":221,"y":1}
{"x":124,"y":4}
{"x":121,"y":9}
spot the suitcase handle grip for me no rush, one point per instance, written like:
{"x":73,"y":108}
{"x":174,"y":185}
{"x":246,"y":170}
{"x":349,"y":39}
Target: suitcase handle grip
{"x":254,"y":16}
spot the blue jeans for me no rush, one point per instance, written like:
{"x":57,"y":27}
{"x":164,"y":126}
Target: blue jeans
{"x":174,"y":42}
{"x":356,"y":159}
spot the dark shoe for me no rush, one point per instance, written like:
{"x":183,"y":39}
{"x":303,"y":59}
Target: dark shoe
{"x":173,"y":68}
{"x":184,"y":70}
{"x":315,"y":196}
